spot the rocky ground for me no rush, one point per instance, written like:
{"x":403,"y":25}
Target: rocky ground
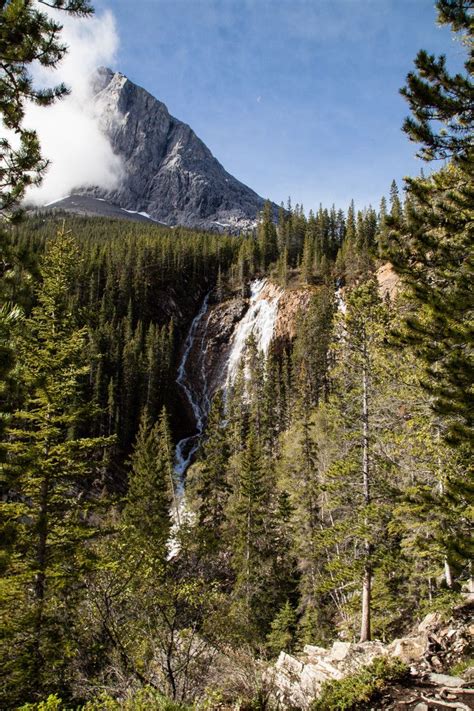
{"x":430,"y":651}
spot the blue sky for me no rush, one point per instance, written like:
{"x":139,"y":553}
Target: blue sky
{"x":294,"y":97}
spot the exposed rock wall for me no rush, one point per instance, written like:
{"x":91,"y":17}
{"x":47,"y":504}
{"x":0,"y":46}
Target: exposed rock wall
{"x":292,"y":304}
{"x":212,"y":346}
{"x":217,"y":332}
{"x":270,"y":315}
{"x":388,"y":281}
{"x":169,"y":173}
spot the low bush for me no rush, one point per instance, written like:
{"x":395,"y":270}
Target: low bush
{"x":143,"y":700}
{"x":358,"y":690}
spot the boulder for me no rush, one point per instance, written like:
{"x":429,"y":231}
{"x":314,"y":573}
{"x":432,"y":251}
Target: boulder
{"x":454,"y":682}
{"x":408,"y":649}
{"x":289,"y":665}
{"x":312,"y":650}
{"x":360,"y":655}
{"x":329,"y":670}
{"x":312,"y":677}
{"x":313,"y":653}
{"x":431,"y":621}
{"x":340,"y":650}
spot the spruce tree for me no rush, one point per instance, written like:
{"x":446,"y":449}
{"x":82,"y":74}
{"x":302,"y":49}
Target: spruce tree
{"x":150,"y":488}
{"x":283,"y":628}
{"x":249,"y":512}
{"x":433,"y":250}
{"x":48,"y":470}
{"x":213,"y":487}
{"x":27,"y":35}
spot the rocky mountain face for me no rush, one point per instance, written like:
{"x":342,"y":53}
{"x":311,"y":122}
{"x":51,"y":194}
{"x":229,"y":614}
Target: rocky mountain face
{"x":169,"y":174}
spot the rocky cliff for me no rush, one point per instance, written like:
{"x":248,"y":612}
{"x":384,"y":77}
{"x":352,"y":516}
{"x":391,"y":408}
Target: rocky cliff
{"x":216,"y":344}
{"x":169,"y":174}
{"x":269,"y":314}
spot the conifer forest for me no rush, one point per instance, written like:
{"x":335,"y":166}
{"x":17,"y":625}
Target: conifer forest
{"x":218,"y":448}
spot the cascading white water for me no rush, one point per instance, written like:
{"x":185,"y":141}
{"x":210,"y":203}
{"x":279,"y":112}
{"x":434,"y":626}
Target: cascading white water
{"x":186,"y":448}
{"x":258,"y":321}
{"x":341,"y":304}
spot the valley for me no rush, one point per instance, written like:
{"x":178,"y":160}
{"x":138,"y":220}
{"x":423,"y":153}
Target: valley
{"x":236,"y":437}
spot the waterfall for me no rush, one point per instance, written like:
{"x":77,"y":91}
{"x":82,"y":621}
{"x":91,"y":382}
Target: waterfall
{"x":186,"y":448}
{"x":341,"y":304}
{"x":339,"y":295}
{"x":258,"y":321}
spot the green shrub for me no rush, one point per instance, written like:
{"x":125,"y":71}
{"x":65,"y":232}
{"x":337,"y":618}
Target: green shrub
{"x":143,"y":700}
{"x":443,"y":603}
{"x":460,"y":667}
{"x":52,"y":703}
{"x":356,"y":691}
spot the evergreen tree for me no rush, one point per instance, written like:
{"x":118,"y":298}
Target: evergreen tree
{"x":359,"y":323}
{"x":150,"y":489}
{"x":351,"y":537}
{"x":437,"y":97}
{"x":27,"y":35}
{"x":267,"y":237}
{"x":311,"y":348}
{"x":46,"y":475}
{"x":433,"y":251}
{"x":282,"y":631}
{"x":249,"y":517}
{"x":395,"y":204}
{"x":213,"y":488}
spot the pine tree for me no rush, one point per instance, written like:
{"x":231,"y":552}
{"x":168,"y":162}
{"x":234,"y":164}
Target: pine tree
{"x":27,"y":35}
{"x":249,"y":514}
{"x":351,"y":537}
{"x":283,"y":629}
{"x":360,"y":320}
{"x":311,"y":348}
{"x":435,"y":96}
{"x":213,"y":488}
{"x":308,"y":259}
{"x":299,"y":473}
{"x":150,"y":488}
{"x":433,"y":251}
{"x":395,"y":204}
{"x":382,"y":230}
{"x":47,"y":471}
{"x":267,"y":237}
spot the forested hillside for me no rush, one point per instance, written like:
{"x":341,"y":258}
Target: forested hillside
{"x":330,"y":496}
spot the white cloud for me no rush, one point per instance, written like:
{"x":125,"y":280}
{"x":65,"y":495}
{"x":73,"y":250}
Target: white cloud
{"x":69,"y":133}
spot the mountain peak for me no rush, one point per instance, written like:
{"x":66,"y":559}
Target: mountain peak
{"x":169,"y":172}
